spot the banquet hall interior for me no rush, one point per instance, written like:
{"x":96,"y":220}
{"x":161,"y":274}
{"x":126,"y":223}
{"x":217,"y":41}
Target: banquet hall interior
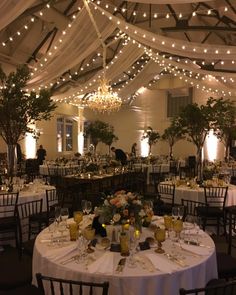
{"x":124,"y":111}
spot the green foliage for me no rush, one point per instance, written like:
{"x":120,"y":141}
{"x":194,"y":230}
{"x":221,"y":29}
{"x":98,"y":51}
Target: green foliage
{"x":152,"y":136}
{"x":100,"y":131}
{"x":19,"y":109}
{"x":173,"y":133}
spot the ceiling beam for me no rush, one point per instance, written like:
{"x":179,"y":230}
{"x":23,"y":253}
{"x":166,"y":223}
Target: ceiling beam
{"x":198,"y":28}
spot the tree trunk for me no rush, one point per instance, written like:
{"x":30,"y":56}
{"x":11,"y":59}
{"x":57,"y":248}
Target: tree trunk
{"x":11,"y":164}
{"x":199,"y":164}
{"x":150,"y":150}
{"x":171,"y":152}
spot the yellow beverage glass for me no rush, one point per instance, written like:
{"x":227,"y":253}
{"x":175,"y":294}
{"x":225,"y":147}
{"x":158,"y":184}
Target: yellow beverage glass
{"x":160,"y":236}
{"x":73,"y":228}
{"x":78,"y":216}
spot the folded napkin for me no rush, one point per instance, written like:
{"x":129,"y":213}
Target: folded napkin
{"x":162,"y":263}
{"x":199,"y":250}
{"x":145,"y":262}
{"x":58,"y":253}
{"x":193,"y":231}
{"x":103,"y":265}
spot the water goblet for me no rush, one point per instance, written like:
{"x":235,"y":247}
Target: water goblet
{"x":175,"y":213}
{"x":89,"y":234}
{"x":64,"y":214}
{"x":160,"y":236}
{"x":180,"y":212}
{"x":168,"y":223}
{"x":178,"y":227}
{"x":57,"y":214}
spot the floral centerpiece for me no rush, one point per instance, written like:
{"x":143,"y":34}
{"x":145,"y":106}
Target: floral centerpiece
{"x":124,"y":207}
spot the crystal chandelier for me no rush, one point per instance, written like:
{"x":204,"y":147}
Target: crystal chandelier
{"x":104,"y":99}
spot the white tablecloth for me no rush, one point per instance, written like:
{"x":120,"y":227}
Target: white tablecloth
{"x":132,"y":281}
{"x":158,"y":168}
{"x":184,"y":192}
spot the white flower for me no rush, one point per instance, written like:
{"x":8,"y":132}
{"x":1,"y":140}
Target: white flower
{"x":106,"y":203}
{"x":116,"y":217}
{"x":142,"y":213}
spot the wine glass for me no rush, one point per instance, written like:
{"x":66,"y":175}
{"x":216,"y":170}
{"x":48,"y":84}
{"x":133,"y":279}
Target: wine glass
{"x":175,"y":213}
{"x":180,"y":212}
{"x":84,"y":205}
{"x":88,"y":207}
{"x":168,"y":223}
{"x":64,"y":214}
{"x":57,"y":214}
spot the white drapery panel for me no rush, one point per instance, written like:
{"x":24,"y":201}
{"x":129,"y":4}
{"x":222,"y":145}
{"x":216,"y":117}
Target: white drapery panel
{"x":11,"y":9}
{"x":142,"y":79}
{"x":79,"y":42}
{"x":166,"y":1}
{"x":171,"y":45}
{"x":130,"y":53}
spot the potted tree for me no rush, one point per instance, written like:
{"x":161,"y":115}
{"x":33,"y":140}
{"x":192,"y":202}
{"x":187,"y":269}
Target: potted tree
{"x":18,"y":109}
{"x":152,"y":136}
{"x":96,"y":130}
{"x":224,"y":117}
{"x":109,"y":137}
{"x":171,"y":135}
{"x":195,"y":123}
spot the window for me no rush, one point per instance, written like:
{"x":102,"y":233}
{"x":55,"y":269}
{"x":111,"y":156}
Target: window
{"x":64,"y":134}
{"x":176,"y":101}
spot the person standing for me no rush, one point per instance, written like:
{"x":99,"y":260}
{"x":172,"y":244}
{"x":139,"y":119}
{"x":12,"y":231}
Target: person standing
{"x":120,"y":155}
{"x":134,"y":150}
{"x":41,"y":154}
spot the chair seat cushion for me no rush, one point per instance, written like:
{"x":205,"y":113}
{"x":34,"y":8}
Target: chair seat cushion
{"x":226,"y":265}
{"x":209,"y":211}
{"x":7,"y":222}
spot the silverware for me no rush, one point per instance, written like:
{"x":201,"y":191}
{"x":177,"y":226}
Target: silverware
{"x":121,"y":265}
{"x":175,"y":259}
{"x":195,"y":243}
{"x":69,"y":259}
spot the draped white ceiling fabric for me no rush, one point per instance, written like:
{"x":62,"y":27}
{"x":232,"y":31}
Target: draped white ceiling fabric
{"x":148,"y":73}
{"x":78,"y":43}
{"x":166,"y":1}
{"x":130,"y":53}
{"x":171,"y":45}
{"x":11,"y":9}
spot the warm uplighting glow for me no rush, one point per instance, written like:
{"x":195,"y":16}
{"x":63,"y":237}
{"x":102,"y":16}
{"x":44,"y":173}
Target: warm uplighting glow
{"x":144,"y":147}
{"x":30,"y":146}
{"x":141,"y":90}
{"x":81,"y":143}
{"x":211,"y":145}
{"x":104,"y":100}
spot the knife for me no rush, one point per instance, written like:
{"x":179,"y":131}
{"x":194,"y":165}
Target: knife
{"x":121,"y":265}
{"x":195,"y":243}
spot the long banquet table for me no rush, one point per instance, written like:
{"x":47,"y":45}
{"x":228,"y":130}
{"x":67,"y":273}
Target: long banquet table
{"x":165,"y":279}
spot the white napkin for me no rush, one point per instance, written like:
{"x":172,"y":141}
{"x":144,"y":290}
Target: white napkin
{"x":58,"y":253}
{"x":103,"y":264}
{"x":162,"y":263}
{"x":145,"y":262}
{"x":199,"y":250}
{"x":193,"y":231}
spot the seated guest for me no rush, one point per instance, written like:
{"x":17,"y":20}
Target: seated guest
{"x":120,"y":155}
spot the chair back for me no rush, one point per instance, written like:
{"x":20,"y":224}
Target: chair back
{"x":62,"y":286}
{"x":8,"y":203}
{"x":28,"y":213}
{"x":191,"y":207}
{"x":225,"y":288}
{"x":8,"y":217}
{"x":166,"y":192}
{"x":230,"y":217}
{"x":52,"y":199}
{"x":215,"y":196}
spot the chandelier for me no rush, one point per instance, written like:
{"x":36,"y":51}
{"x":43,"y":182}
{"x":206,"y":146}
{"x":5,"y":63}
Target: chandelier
{"x":104,"y":99}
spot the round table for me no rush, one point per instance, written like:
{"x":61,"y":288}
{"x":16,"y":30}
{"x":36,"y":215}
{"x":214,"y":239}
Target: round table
{"x":197,"y":194}
{"x":165,"y":279}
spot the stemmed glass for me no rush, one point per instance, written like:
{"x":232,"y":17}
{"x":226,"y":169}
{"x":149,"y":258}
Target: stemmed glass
{"x":88,"y":207}
{"x":83,"y":205}
{"x":160,"y":236}
{"x":64,"y":214}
